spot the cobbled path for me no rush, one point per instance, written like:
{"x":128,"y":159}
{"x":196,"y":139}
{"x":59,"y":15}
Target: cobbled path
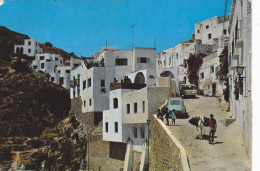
{"x":228,"y":153}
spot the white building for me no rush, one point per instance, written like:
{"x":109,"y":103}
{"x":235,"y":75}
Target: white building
{"x":129,"y":108}
{"x":30,"y":47}
{"x":240,"y":55}
{"x":92,"y":82}
{"x":212,"y":28}
{"x":55,"y":65}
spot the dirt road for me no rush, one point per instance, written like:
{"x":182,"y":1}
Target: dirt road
{"x":228,"y":153}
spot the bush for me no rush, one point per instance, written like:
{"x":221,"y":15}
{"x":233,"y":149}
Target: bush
{"x":200,"y":92}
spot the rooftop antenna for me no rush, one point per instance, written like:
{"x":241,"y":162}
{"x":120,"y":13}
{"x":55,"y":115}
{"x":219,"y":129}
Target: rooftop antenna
{"x":132,"y":26}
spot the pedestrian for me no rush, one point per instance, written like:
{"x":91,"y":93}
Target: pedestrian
{"x":167,"y":115}
{"x":159,"y":114}
{"x":173,"y":116}
{"x":212,"y":128}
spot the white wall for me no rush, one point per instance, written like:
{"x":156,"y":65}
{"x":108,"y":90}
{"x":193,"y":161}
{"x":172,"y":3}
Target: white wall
{"x":216,"y":25}
{"x":241,"y":108}
{"x":34,"y":47}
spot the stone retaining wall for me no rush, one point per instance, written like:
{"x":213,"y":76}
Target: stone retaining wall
{"x":166,"y":153}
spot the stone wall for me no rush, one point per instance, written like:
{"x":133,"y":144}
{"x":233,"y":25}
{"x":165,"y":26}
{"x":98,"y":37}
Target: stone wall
{"x":99,"y":154}
{"x":136,"y":160}
{"x":88,"y":119}
{"x":166,"y":153}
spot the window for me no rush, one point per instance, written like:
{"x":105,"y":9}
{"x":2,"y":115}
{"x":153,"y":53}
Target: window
{"x":35,"y":67}
{"x":67,"y":71}
{"x":225,"y":31}
{"x":127,"y":108}
{"x":41,"y":57}
{"x":106,"y":126}
{"x":134,"y":129}
{"x":120,"y":62}
{"x":42,"y":65}
{"x":55,"y":68}
{"x":116,"y":127}
{"x":61,"y":61}
{"x":84,"y":84}
{"x":135,"y":107}
{"x":143,"y":60}
{"x":115,"y":100}
{"x":212,"y":69}
{"x":29,"y":50}
{"x":90,"y":102}
{"x":89,"y":82}
{"x":143,"y":106}
{"x":207,"y":26}
{"x":202,"y":75}
{"x":175,"y":102}
{"x":176,"y":55}
{"x":198,"y":31}
{"x":61,"y":80}
{"x":29,"y":42}
{"x":35,"y":51}
{"x":84,"y":103}
{"x":102,"y":83}
{"x":141,"y":129}
{"x":58,"y":71}
{"x":52,"y":79}
{"x":209,"y":36}
{"x":56,"y":59}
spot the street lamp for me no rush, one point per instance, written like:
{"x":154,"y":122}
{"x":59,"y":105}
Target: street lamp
{"x":239,"y":80}
{"x":148,"y":123}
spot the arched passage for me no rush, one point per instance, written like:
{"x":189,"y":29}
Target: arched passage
{"x":139,"y":78}
{"x":151,"y":77}
{"x":167,"y":74}
{"x":17,"y":50}
{"x":21,"y":50}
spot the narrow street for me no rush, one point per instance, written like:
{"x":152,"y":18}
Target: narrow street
{"x":226,"y":154}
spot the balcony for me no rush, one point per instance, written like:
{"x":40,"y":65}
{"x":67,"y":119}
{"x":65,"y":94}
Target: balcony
{"x":235,"y":56}
{"x":74,"y":83}
{"x":239,"y":43}
{"x":123,"y":85}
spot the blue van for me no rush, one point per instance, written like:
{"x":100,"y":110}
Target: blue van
{"x":177,"y":104}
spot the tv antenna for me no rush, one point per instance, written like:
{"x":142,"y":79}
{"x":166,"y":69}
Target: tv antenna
{"x":132,"y":26}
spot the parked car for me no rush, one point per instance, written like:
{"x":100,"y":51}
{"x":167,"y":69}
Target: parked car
{"x":188,"y":90}
{"x":177,"y":104}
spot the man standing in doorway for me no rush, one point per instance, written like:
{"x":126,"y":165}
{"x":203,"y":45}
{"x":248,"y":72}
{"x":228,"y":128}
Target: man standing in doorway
{"x":212,"y":128}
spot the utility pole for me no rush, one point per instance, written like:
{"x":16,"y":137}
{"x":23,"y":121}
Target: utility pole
{"x":132,"y":26}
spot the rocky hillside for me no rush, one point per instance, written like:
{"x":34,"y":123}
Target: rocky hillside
{"x":8,"y":39}
{"x":29,"y":103}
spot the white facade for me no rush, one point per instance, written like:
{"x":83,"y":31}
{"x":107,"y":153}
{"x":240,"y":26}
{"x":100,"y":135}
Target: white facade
{"x":212,"y":28}
{"x":30,"y":47}
{"x":208,"y":81}
{"x":128,"y":117}
{"x":55,"y":65}
{"x":117,"y":64}
{"x":240,"y":55}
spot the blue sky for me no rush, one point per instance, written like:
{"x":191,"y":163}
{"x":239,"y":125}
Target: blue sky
{"x":83,"y":26}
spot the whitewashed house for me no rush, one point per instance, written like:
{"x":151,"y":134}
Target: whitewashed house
{"x":30,"y":47}
{"x":240,"y":58}
{"x":130,"y":106}
{"x":212,"y":28}
{"x":213,"y":34}
{"x":55,"y":65}
{"x":94,"y":81}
